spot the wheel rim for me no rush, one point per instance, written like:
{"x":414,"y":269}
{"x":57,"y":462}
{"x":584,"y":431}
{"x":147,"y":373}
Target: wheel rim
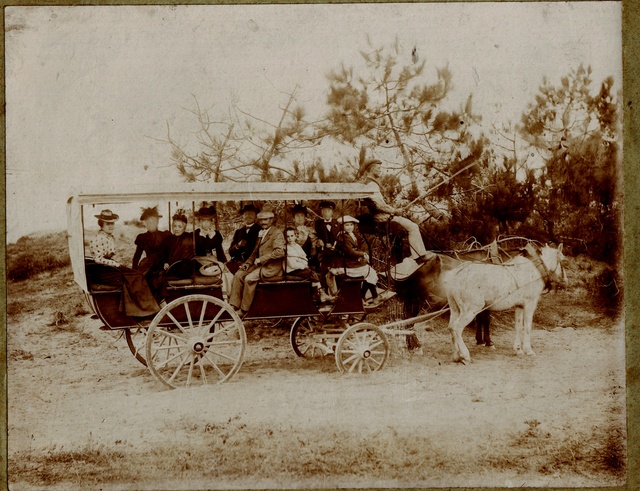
{"x":305,"y":340}
{"x":136,"y":338}
{"x":195,"y":340}
{"x":362,"y":348}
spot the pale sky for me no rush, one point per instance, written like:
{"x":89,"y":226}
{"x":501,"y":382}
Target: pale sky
{"x":90,"y":90}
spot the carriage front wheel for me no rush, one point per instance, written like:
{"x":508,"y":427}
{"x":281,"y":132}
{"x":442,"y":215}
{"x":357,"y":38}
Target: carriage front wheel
{"x":362,"y":347}
{"x":195,"y":340}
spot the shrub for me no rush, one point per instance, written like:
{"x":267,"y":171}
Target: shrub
{"x":27,"y":265}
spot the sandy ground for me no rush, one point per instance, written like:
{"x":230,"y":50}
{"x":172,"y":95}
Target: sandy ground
{"x":74,"y":384}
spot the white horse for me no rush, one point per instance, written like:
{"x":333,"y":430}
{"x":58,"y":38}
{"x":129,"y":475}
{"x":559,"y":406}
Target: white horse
{"x":474,"y":287}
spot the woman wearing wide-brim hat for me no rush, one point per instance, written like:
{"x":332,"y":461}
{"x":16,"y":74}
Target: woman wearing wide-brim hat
{"x":137,"y":299}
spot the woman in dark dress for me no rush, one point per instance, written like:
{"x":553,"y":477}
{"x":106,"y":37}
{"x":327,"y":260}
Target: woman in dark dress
{"x":208,"y":240}
{"x":148,"y":242}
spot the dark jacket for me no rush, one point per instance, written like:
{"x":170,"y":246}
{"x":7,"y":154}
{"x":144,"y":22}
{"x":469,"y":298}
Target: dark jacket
{"x":351,"y":252}
{"x":149,"y":243}
{"x":244,"y":242}
{"x":175,"y":248}
{"x":208,"y":245}
{"x":324,"y":234}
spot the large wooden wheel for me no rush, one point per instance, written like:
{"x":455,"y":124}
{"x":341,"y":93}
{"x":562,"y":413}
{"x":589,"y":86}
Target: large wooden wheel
{"x":195,"y":340}
{"x":136,"y":338}
{"x":362,"y":348}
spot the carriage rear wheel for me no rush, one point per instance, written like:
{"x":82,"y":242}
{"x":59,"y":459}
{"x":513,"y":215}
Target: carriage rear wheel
{"x":362,"y":348}
{"x":136,"y":338}
{"x":306,"y":337}
{"x":195,"y":340}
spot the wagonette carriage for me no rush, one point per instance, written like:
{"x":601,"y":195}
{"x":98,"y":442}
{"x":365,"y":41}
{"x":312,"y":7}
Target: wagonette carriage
{"x":198,"y":338}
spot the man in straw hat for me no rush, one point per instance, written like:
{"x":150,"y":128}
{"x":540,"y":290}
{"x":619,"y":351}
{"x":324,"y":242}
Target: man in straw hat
{"x":265,"y":262}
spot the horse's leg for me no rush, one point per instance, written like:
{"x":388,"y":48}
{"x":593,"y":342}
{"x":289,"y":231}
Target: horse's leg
{"x":517,"y":344}
{"x":461,"y":316}
{"x":478,"y":324}
{"x":483,"y":321}
{"x":454,"y":313}
{"x":529,"y":310}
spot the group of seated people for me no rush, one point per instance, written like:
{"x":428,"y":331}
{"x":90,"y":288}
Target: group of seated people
{"x":258,"y":251}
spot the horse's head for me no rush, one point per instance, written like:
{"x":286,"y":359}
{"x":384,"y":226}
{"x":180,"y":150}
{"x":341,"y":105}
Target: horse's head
{"x":552,"y":259}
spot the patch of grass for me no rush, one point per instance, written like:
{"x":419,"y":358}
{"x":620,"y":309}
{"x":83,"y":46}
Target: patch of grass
{"x":234,"y":452}
{"x":577,"y":452}
{"x":30,"y":256}
{"x":27,"y":265}
{"x":84,"y":467}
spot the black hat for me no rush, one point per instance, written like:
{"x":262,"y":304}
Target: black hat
{"x":150,"y":212}
{"x":298,"y":208}
{"x":206,"y":212}
{"x":328,"y":204}
{"x":107,"y":216}
{"x":249,"y":207}
{"x":181,"y":217}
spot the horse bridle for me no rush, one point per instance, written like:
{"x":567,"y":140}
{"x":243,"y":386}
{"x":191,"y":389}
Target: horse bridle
{"x":545,"y":274}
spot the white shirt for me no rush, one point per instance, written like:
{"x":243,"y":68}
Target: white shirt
{"x":296,"y":258}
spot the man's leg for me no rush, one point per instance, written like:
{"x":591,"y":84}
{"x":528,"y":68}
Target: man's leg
{"x":250,"y":285}
{"x":237,"y":286}
{"x":418,"y":249}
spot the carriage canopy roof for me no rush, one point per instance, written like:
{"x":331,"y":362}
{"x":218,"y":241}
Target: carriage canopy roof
{"x":226,"y":191}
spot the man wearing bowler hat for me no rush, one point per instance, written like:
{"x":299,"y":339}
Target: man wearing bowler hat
{"x":265,"y":262}
{"x":244,"y":238}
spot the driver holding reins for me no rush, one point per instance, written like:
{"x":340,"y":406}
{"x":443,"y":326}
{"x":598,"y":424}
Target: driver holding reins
{"x":370,"y":172}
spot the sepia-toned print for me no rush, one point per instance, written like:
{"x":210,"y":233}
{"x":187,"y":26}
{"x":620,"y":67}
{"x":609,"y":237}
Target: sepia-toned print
{"x":315,"y":246}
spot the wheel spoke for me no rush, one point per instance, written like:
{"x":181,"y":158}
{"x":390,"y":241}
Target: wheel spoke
{"x":177,"y":370}
{"x":354,"y":364}
{"x":170,"y":347}
{"x":169,"y":360}
{"x":188,"y":312}
{"x":215,"y":319}
{"x":204,"y":309}
{"x":222,"y":355}
{"x":203,"y":373}
{"x":170,"y":316}
{"x":214,"y":365}
{"x":190,"y":371}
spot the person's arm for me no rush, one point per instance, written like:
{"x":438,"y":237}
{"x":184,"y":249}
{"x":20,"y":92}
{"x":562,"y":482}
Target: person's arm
{"x":136,"y":257}
{"x":277,"y":250}
{"x":220,"y":256}
{"x":351,"y":249}
{"x":101,"y":252}
{"x":236,"y":243}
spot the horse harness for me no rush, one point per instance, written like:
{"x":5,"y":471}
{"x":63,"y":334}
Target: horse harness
{"x":535,"y":258}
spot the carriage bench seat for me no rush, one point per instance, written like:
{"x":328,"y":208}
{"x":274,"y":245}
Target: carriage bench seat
{"x":97,"y":288}
{"x":284,"y":280}
{"x":196,"y":280}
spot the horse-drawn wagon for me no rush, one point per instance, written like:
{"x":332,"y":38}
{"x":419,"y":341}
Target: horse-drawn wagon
{"x":197,"y":337}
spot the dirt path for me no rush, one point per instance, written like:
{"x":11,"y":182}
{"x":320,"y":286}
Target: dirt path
{"x":73,"y":385}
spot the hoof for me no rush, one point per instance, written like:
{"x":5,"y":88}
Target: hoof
{"x":530,"y":353}
{"x":491,"y":346}
{"x":464,"y":361}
